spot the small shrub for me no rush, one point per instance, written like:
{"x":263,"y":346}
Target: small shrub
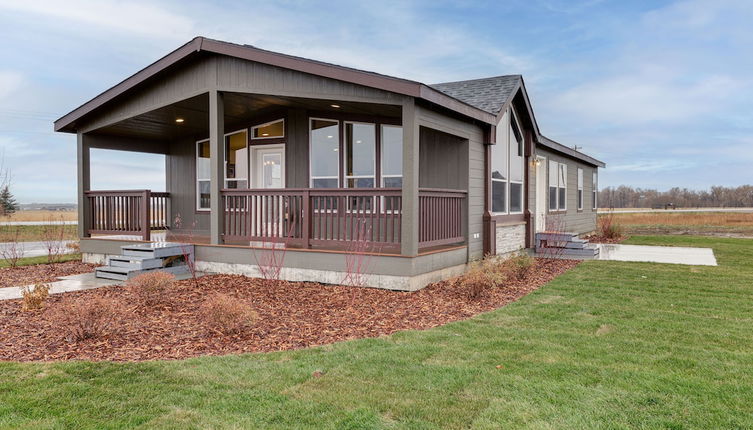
{"x":73,"y":246}
{"x":518,"y":267}
{"x":87,"y":318}
{"x":152,"y":288}
{"x":226,"y":314}
{"x":608,"y":228}
{"x":34,"y":298}
{"x":482,"y":276}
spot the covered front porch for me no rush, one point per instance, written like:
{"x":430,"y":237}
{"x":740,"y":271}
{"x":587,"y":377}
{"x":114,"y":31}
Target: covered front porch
{"x":255,"y":170}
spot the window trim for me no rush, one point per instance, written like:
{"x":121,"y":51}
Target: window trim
{"x":345,"y":155}
{"x":224,"y":159}
{"x":558,"y":209}
{"x":339,"y":155}
{"x":561,"y":208}
{"x":520,"y":149}
{"x":196,"y":171}
{"x":380,"y":143}
{"x":253,"y":127}
{"x":594,"y":190}
{"x":581,"y":195}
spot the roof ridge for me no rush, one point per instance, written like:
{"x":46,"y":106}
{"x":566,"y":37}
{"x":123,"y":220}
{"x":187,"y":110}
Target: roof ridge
{"x":518,"y":75}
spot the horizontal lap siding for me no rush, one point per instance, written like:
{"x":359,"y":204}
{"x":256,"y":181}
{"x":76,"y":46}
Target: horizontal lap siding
{"x":575,"y":221}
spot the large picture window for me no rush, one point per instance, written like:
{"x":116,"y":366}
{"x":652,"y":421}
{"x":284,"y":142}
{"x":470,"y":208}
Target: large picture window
{"x":324,"y":155}
{"x":500,"y":168}
{"x":580,"y":189}
{"x":236,"y":160}
{"x":203,"y":175}
{"x":360,"y":155}
{"x":392,"y":156}
{"x":517,"y":165}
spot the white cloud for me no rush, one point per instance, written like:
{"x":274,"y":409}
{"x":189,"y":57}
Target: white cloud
{"x":142,"y":18}
{"x":10,"y":81}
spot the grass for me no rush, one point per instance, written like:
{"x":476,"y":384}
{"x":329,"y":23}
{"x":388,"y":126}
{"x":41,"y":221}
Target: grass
{"x":607,"y":345}
{"x":31,"y":261}
{"x":688,"y":222}
{"x":35,"y":233}
{"x":42,"y":215}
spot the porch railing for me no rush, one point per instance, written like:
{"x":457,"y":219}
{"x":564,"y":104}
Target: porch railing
{"x":339,"y":218}
{"x":127,"y":212}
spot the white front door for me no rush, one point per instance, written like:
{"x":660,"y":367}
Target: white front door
{"x":541,"y":194}
{"x":269,"y":166}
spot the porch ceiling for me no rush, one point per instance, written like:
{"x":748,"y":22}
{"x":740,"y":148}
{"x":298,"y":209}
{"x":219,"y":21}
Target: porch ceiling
{"x":240,"y":110}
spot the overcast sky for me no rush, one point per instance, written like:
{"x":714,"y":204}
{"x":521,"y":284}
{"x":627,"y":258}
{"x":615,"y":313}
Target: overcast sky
{"x":661,"y":91}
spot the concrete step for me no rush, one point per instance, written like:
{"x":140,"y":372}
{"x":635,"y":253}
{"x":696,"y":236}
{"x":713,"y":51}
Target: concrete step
{"x":124,"y":273}
{"x":559,"y":237}
{"x":156,"y":249}
{"x":134,"y":262}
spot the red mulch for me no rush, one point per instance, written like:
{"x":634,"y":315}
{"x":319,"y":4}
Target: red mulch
{"x":291,"y":315}
{"x":597,"y":238}
{"x":26,"y":275}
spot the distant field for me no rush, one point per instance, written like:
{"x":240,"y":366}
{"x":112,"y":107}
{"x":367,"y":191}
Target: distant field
{"x":42,"y":216}
{"x":37,"y":233}
{"x":725,"y":223}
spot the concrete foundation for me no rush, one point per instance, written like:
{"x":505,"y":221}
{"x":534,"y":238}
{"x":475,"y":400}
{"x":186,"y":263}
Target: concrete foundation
{"x":510,"y":237}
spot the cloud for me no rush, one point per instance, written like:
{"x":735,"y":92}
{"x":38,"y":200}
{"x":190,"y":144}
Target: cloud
{"x":10,"y":81}
{"x":141,"y":18}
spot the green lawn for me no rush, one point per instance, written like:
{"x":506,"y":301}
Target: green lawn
{"x":607,"y":345}
{"x":30,"y":261}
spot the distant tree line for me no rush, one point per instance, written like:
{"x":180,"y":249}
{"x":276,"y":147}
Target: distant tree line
{"x":628,"y":197}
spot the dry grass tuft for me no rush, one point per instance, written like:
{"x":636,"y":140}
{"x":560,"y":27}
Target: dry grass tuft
{"x":87,"y":317}
{"x":226,"y":315}
{"x":724,"y":219}
{"x":153,"y":288}
{"x":34,"y":299}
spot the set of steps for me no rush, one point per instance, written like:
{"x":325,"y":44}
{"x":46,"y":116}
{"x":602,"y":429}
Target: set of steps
{"x":147,"y":257}
{"x":565,"y":245}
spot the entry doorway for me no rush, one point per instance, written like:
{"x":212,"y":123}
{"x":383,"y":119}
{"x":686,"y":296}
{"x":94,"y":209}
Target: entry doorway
{"x":541,"y":194}
{"x":269,"y":166}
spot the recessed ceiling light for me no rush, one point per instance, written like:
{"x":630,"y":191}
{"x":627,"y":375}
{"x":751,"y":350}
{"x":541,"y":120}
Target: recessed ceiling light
{"x":358,"y":141}
{"x":265,"y":134}
{"x":329,"y":137}
{"x":334,"y":149}
{"x":179,"y":120}
{"x":335,"y":106}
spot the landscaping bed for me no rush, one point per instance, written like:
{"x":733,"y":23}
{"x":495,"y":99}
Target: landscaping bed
{"x":40,"y":273}
{"x":288,"y":315}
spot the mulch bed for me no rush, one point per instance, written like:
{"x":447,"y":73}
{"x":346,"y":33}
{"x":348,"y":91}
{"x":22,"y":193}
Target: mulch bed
{"x":38,"y":273}
{"x":291,"y":315}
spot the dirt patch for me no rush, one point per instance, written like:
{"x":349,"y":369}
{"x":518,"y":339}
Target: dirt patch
{"x":596,"y":238}
{"x":290,"y":315}
{"x":26,"y":275}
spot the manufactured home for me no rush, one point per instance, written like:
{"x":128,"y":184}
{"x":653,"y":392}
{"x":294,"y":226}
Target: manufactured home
{"x":264,"y":150}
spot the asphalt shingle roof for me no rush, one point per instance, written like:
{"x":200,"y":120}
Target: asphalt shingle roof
{"x":487,"y":94}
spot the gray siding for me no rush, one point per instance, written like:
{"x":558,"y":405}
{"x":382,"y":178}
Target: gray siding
{"x":575,"y":221}
{"x":439,"y":156}
{"x":181,"y":184}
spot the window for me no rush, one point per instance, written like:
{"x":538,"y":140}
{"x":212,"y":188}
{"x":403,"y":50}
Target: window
{"x":563,"y":186}
{"x":324,"y":153}
{"x":557,"y":186}
{"x":517,"y":165}
{"x":595,"y":189}
{"x":203,"y":175}
{"x":236,"y":160}
{"x":553,"y":169}
{"x":360,"y":155}
{"x":269,"y":130}
{"x":499,"y":164}
{"x":580,"y":189}
{"x":392,"y":156}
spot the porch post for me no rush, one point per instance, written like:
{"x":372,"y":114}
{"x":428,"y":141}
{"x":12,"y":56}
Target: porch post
{"x":217,"y":160}
{"x":409,"y":219}
{"x":84,"y":184}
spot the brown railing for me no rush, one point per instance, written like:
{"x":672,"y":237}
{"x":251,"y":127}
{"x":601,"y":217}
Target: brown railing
{"x":440,"y":217}
{"x":338,"y":218}
{"x":129,"y":212}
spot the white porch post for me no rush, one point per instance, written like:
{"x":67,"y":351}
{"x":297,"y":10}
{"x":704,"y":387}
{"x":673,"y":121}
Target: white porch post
{"x":217,"y":160}
{"x":84,"y":184}
{"x":410,"y":221}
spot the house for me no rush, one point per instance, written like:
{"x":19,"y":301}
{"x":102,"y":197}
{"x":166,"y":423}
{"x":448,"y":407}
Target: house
{"x":263,"y":147}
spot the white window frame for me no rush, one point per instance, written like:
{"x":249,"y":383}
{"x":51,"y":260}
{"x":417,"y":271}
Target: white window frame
{"x":224,"y":162}
{"x":345,"y":155}
{"x":559,"y":166}
{"x":381,"y":153}
{"x":559,"y":204}
{"x":339,"y":160}
{"x":581,"y":195}
{"x":196,"y":185}
{"x":251,"y":132}
{"x":549,"y":173}
{"x":595,"y":190}
{"x":510,"y":181}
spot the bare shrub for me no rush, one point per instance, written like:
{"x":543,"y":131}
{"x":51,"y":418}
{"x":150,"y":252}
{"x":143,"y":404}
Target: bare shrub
{"x":12,"y":249}
{"x":34,"y":299}
{"x":87,"y":317}
{"x":226,"y":315}
{"x":482,"y":276}
{"x":359,"y":257}
{"x":75,"y":247}
{"x":53,"y":237}
{"x":555,"y":225}
{"x":519,"y":267}
{"x":271,"y":257}
{"x":609,"y":228}
{"x":186,"y":249}
{"x":152,"y":288}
